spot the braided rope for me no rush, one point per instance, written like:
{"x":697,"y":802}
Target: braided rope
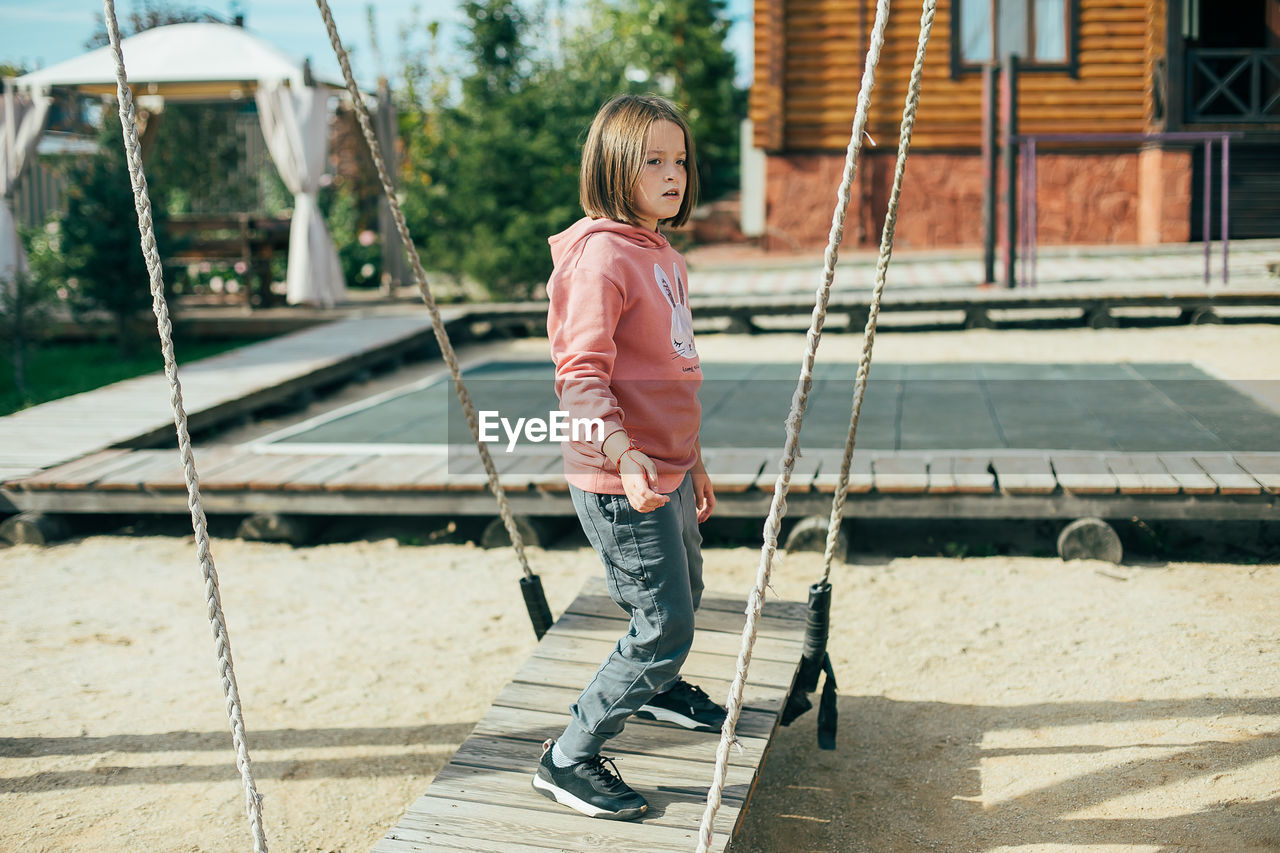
{"x":146,"y":229}
{"x":882,"y":268}
{"x":799,"y":401}
{"x":755,"y":599}
{"x":420,"y":278}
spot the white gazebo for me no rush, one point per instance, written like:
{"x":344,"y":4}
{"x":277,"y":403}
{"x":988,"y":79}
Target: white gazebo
{"x":199,"y":61}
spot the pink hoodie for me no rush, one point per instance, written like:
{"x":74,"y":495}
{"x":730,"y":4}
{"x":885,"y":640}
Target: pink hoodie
{"x":622,"y":340}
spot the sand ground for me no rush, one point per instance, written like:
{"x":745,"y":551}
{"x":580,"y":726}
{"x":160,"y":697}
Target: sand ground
{"x":987,"y":704}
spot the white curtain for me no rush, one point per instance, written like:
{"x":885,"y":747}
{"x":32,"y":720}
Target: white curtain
{"x":295,"y":123}
{"x":21,"y":123}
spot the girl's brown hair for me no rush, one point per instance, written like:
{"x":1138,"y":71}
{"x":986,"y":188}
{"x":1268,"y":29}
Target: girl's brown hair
{"x":614,"y":155}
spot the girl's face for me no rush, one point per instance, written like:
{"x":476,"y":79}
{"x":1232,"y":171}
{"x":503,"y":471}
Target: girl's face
{"x":660,"y":188}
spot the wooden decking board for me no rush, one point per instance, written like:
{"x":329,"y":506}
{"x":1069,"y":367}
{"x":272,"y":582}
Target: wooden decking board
{"x":653,"y":771}
{"x":1141,"y":474}
{"x":861,"y":479}
{"x":498,"y":823}
{"x":483,"y":797}
{"x":556,"y":698}
{"x":734,"y":470}
{"x":1263,"y":467}
{"x":313,"y":478}
{"x":208,"y":461}
{"x":716,"y":642}
{"x":241,"y":470}
{"x":768,"y":625}
{"x":1230,"y":477}
{"x":545,"y":669}
{"x":389,"y":473}
{"x":1192,"y":479}
{"x":51,"y":477}
{"x":135,"y":476}
{"x":138,"y":409}
{"x":1024,"y":475}
{"x":901,"y":473}
{"x":1084,"y":474}
{"x":971,"y":474}
{"x":90,"y":475}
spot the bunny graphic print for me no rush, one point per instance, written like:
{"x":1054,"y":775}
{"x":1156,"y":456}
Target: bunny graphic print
{"x":681,"y":318}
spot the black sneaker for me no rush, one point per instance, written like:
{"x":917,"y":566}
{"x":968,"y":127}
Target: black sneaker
{"x":685,"y":705}
{"x":588,"y":787}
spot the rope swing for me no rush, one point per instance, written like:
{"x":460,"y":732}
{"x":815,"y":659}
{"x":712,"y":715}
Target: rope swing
{"x":146,"y":230}
{"x":755,"y":599}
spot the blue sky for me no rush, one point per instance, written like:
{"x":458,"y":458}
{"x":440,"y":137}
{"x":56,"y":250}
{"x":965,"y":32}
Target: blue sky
{"x":40,"y":34}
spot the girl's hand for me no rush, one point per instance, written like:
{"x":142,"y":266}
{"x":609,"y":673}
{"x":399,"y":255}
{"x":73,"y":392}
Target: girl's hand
{"x":704,"y":494}
{"x":638,"y":476}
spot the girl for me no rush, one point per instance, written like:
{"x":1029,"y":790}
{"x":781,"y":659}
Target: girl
{"x":622,"y":340}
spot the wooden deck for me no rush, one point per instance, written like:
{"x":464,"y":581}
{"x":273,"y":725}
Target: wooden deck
{"x":136,"y":412}
{"x":483,"y":801}
{"x":903,"y":484}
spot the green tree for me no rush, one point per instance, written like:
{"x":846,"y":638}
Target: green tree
{"x":677,"y":49}
{"x":102,"y":262}
{"x":492,"y":154}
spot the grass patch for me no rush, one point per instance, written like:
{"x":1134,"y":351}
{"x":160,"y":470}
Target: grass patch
{"x":60,"y":369}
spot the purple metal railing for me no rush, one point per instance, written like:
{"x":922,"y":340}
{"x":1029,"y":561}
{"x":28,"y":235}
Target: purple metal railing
{"x":1026,"y":143}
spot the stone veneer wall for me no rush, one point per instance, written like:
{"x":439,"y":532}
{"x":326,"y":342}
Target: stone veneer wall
{"x":1120,"y":197}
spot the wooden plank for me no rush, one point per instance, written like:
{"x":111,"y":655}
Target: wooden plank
{"x":673,"y":805}
{"x":555,"y":698}
{"x":1192,"y":479}
{"x":146,"y":463}
{"x":495,"y":824}
{"x":901,"y":473}
{"x":390,"y":473}
{"x":734,"y":471}
{"x":972,"y":475}
{"x":1141,"y":474}
{"x":85,"y":478}
{"x":1263,"y":467}
{"x":314,"y":477}
{"x":861,"y":479}
{"x":774,"y":608}
{"x":508,"y":753}
{"x":603,"y":606}
{"x":243,"y":468}
{"x":1084,"y":475}
{"x":483,"y":796}
{"x":667,"y":741}
{"x":208,"y":462}
{"x":50,"y":478}
{"x":1230,"y":477}
{"x":1024,"y":474}
{"x":709,"y":642}
{"x":548,"y":668}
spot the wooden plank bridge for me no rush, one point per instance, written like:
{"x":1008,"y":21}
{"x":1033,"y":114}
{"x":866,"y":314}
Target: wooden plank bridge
{"x":483,"y":800}
{"x":902,"y":484}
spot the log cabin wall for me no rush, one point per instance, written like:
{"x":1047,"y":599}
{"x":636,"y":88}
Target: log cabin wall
{"x":808,"y":64}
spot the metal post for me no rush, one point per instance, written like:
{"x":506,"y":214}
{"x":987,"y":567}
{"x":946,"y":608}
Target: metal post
{"x":1205,"y":219}
{"x":1009,"y":73}
{"x":990,"y":117}
{"x":1226,"y":177}
{"x":1031,"y":208}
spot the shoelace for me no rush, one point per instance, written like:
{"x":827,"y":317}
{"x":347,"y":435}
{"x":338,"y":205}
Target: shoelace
{"x":694,"y":695}
{"x":611,"y":778}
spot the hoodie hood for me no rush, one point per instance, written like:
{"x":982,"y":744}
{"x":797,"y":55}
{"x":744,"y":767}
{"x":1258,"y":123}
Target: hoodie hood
{"x":567,"y":241}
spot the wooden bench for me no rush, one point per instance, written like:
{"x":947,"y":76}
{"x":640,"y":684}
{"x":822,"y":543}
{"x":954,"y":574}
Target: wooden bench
{"x":483,"y":800}
{"x":229,"y":239}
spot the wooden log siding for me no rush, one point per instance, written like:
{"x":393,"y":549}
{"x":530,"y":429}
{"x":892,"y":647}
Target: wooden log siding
{"x":809,"y":56}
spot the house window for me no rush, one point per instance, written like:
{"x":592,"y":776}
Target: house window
{"x":1039,"y":31}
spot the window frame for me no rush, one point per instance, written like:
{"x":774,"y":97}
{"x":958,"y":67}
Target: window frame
{"x":960,"y":67}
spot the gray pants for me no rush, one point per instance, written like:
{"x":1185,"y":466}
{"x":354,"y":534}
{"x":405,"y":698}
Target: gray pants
{"x":653,"y":568}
